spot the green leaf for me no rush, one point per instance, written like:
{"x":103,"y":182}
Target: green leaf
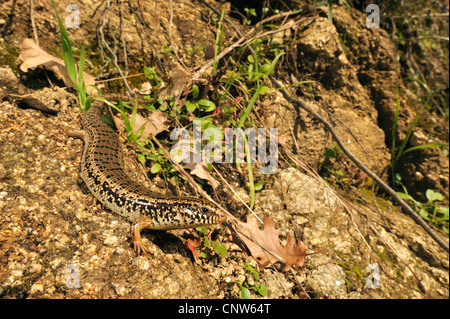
{"x":220,"y":249}
{"x":108,"y":120}
{"x":155,"y":168}
{"x":357,"y":272}
{"x":190,"y":106}
{"x":204,"y":255}
{"x":265,"y":68}
{"x":405,"y":196}
{"x":253,"y":272}
{"x":330,"y":153}
{"x":206,"y":105}
{"x":264,"y":89}
{"x":141,"y":158}
{"x":195,"y":91}
{"x":207,"y":242}
{"x":424,"y":214}
{"x":67,"y":50}
{"x":203,"y":230}
{"x":262,"y":289}
{"x":163,"y":107}
{"x":433,"y":196}
{"x":245,"y":293}
{"x":444,"y":211}
{"x":258,"y":186}
{"x":424,"y":146}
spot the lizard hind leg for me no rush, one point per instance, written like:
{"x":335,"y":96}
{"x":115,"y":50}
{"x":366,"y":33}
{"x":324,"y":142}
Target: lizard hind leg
{"x":76,"y":133}
{"x":139,"y":245}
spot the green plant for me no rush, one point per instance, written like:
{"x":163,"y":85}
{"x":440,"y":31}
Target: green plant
{"x":397,"y":153}
{"x":328,"y":171}
{"x":258,"y":74}
{"x":219,"y":41}
{"x":250,"y":13}
{"x":209,"y":245}
{"x":245,"y":288}
{"x":150,"y":74}
{"x":430,"y":209}
{"x":76,"y":76}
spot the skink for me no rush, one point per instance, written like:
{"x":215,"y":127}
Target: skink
{"x":102,"y":170}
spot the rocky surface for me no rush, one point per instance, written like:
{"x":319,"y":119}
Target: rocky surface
{"x":56,"y":240}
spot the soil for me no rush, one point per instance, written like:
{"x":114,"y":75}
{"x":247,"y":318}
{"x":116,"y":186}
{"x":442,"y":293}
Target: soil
{"x":51,"y":230}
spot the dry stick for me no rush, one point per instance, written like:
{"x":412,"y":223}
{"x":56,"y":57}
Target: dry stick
{"x":124,"y":42}
{"x":32,"y":22}
{"x":113,"y":54}
{"x":415,"y":216}
{"x":236,"y":194}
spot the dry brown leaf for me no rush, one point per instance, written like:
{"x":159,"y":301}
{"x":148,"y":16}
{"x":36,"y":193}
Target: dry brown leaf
{"x":154,"y":124}
{"x":199,"y":170}
{"x":264,"y":245}
{"x":32,"y":56}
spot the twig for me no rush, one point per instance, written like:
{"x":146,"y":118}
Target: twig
{"x":111,"y":51}
{"x":124,"y":42}
{"x":36,"y":39}
{"x":141,"y":20}
{"x":237,"y":195}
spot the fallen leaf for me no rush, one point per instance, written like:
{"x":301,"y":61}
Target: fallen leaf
{"x":199,"y":170}
{"x":176,"y":84}
{"x":146,"y":88}
{"x":264,"y":245}
{"x":32,"y":56}
{"x":154,"y":124}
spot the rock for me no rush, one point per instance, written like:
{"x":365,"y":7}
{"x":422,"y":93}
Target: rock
{"x":328,"y":279}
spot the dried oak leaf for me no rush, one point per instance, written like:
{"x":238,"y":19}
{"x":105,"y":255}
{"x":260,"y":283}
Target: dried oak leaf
{"x":264,"y":245}
{"x":199,"y":170}
{"x":154,"y":124}
{"x":32,"y":56}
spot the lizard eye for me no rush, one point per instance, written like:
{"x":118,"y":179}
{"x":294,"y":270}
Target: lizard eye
{"x":205,"y":210}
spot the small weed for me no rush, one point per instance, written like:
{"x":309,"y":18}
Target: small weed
{"x":397,"y":153}
{"x":210,"y":247}
{"x":331,"y":174}
{"x":250,"y":12}
{"x":430,"y":209}
{"x":245,"y":288}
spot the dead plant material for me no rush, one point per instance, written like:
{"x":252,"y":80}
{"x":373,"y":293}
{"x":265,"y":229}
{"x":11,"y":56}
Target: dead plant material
{"x":32,"y":56}
{"x":264,"y":245}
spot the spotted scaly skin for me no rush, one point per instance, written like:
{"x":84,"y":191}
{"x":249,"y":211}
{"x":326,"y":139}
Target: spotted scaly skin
{"x":102,"y":170}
